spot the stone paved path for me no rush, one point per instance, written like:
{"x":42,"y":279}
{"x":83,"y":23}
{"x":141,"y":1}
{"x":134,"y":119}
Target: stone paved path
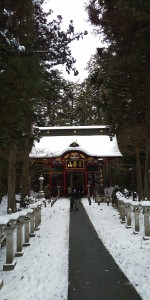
{"x":93,"y":273}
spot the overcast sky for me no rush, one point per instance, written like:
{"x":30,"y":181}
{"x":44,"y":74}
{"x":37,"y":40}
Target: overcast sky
{"x":83,"y":49}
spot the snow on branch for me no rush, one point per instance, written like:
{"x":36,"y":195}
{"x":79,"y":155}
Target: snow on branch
{"x":13,"y":43}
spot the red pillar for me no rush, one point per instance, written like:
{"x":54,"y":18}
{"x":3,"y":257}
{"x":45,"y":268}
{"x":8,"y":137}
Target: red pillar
{"x":85,"y":177}
{"x":65,"y":192}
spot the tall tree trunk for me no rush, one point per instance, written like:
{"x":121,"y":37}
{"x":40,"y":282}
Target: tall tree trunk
{"x":0,"y":182}
{"x":25,"y":180}
{"x":12,"y":178}
{"x":147,"y":158}
{"x":25,"y":173}
{"x":138,"y":171}
{"x":147,"y":143}
{"x":136,"y":142}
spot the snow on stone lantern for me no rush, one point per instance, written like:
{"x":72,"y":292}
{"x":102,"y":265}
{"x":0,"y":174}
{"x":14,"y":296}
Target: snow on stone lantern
{"x":41,"y":193}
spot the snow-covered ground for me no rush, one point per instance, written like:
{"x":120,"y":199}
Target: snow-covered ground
{"x":42,"y":272}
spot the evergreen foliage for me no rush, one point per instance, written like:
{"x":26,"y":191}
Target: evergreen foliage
{"x":31,"y":44}
{"x":125,"y":26}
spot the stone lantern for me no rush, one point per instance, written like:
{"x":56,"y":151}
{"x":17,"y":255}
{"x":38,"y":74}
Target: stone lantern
{"x":128,"y":213}
{"x":146,"y":212}
{"x":41,"y":193}
{"x":27,"y":230}
{"x":20,"y":224}
{"x":9,"y":230}
{"x":3,"y":223}
{"x":136,"y":210}
{"x":121,"y":207}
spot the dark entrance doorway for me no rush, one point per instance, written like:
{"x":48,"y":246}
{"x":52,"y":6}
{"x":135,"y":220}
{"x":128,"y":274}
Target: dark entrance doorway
{"x":75,"y":181}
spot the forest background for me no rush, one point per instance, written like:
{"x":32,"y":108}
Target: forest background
{"x":34,"y":92}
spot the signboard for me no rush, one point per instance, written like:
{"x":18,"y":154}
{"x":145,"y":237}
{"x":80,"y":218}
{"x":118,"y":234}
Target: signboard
{"x":75,"y":164}
{"x":101,"y":179}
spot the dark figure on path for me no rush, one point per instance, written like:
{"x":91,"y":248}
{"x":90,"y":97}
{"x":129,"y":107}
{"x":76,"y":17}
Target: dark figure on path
{"x":77,"y":200}
{"x":89,"y":199}
{"x":72,"y":199}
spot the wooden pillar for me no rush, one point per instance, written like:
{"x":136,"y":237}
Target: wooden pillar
{"x":110,"y":173}
{"x":100,"y":177}
{"x":85,"y":177}
{"x":107,"y":176}
{"x":64,"y":179}
{"x":50,"y":179}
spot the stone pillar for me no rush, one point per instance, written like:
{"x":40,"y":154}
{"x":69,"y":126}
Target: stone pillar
{"x":32,"y":224}
{"x":37,"y":218}
{"x":121,"y":207}
{"x":1,"y":236}
{"x":20,"y":223}
{"x":146,"y":212}
{"x":41,"y":193}
{"x":136,"y":210}
{"x":39,"y":213}
{"x":26,"y":231}
{"x":10,"y":262}
{"x":128,"y":214}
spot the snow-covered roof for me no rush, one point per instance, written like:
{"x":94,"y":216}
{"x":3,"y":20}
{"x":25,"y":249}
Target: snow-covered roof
{"x":74,"y":127}
{"x":93,"y":145}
